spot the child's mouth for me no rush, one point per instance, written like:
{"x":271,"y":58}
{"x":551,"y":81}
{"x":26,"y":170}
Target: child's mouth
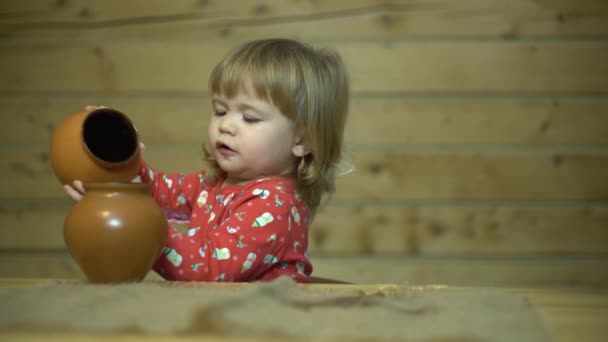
{"x":224,"y":149}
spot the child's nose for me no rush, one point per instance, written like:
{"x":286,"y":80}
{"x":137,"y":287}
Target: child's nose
{"x":227,"y":125}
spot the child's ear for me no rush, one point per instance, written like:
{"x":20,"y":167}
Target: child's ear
{"x":300,"y":147}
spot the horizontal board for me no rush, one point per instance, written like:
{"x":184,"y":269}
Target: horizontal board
{"x":456,"y":230}
{"x":38,"y":264}
{"x":373,"y":120}
{"x":502,"y":272}
{"x":379,"y":176}
{"x":375,"y":66}
{"x":310,"y":19}
{"x":460,"y":230}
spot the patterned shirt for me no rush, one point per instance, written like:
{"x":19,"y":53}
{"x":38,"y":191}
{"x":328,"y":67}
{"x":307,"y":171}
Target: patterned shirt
{"x":251,"y":232}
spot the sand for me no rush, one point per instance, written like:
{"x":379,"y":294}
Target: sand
{"x":278,"y":309}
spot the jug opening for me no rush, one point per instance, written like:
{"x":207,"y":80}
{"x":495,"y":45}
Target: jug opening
{"x":109,"y":135}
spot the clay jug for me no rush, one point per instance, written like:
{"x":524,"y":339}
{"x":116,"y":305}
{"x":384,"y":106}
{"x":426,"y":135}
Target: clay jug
{"x":115,"y":232}
{"x":101,"y":145}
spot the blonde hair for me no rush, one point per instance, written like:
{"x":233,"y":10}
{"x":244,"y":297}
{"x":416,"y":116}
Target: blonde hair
{"x":310,"y":86}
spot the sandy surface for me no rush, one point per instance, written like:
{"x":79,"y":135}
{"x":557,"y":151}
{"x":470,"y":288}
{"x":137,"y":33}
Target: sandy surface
{"x":277,"y":309}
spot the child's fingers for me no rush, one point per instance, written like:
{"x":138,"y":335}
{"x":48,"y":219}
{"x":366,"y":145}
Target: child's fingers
{"x":78,"y":186}
{"x":73,"y":193}
{"x":90,"y":108}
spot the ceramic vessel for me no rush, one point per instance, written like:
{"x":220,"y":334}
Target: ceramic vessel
{"x":116,"y":232}
{"x":101,"y":145}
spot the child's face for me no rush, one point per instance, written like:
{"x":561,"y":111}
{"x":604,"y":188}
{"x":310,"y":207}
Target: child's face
{"x":250,"y":137}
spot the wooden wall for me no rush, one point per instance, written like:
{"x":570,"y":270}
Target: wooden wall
{"x":479,"y":128}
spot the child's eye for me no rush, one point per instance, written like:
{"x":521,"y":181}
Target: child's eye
{"x":219,"y":113}
{"x":250,"y":119}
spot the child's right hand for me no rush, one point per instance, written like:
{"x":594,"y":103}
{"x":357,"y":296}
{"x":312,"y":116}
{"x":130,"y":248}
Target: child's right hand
{"x":75,"y":191}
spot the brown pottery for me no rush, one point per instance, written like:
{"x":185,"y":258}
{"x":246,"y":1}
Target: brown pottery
{"x":115,"y":232}
{"x":101,"y":145}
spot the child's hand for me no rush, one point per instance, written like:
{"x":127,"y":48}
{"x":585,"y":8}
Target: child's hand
{"x":90,"y":108}
{"x":75,"y":191}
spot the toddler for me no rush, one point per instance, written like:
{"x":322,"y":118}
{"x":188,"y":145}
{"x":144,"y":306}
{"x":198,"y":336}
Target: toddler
{"x":274,"y":143}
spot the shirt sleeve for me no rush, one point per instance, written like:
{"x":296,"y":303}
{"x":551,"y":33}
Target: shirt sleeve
{"x":258,"y":240}
{"x":176,"y":193}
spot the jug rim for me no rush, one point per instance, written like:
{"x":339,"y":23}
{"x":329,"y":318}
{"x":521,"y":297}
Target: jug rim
{"x":103,"y":162}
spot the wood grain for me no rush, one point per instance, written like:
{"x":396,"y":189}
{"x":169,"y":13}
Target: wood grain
{"x":567,"y":314}
{"x":494,"y":272}
{"x":375,"y":66}
{"x":460,"y":230}
{"x":387,"y":120}
{"x":448,"y":229}
{"x":478,"y":129}
{"x":586,"y":315}
{"x":358,"y":19}
{"x":380,"y":176}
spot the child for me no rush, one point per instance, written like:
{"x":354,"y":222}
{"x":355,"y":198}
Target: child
{"x":274,"y":142}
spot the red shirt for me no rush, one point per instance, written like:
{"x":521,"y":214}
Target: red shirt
{"x":256,"y":231}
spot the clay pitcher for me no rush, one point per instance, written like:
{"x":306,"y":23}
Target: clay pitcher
{"x":115,"y":232}
{"x":101,"y":145}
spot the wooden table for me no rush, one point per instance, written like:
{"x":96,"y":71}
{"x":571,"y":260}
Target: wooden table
{"x":568,"y":314}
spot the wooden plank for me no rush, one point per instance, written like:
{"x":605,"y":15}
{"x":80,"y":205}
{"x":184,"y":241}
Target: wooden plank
{"x":380,"y":176}
{"x":375,"y":66}
{"x":449,"y":229}
{"x":570,"y":314}
{"x":319,"y":19}
{"x":465,"y":230}
{"x":492,"y":272}
{"x":396,"y":120}
{"x":576,"y":323}
{"x":33,"y":336}
{"x":33,"y":228}
{"x":513,"y":121}
{"x":39,"y":264}
{"x":393,"y":175}
{"x":567,"y":315}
